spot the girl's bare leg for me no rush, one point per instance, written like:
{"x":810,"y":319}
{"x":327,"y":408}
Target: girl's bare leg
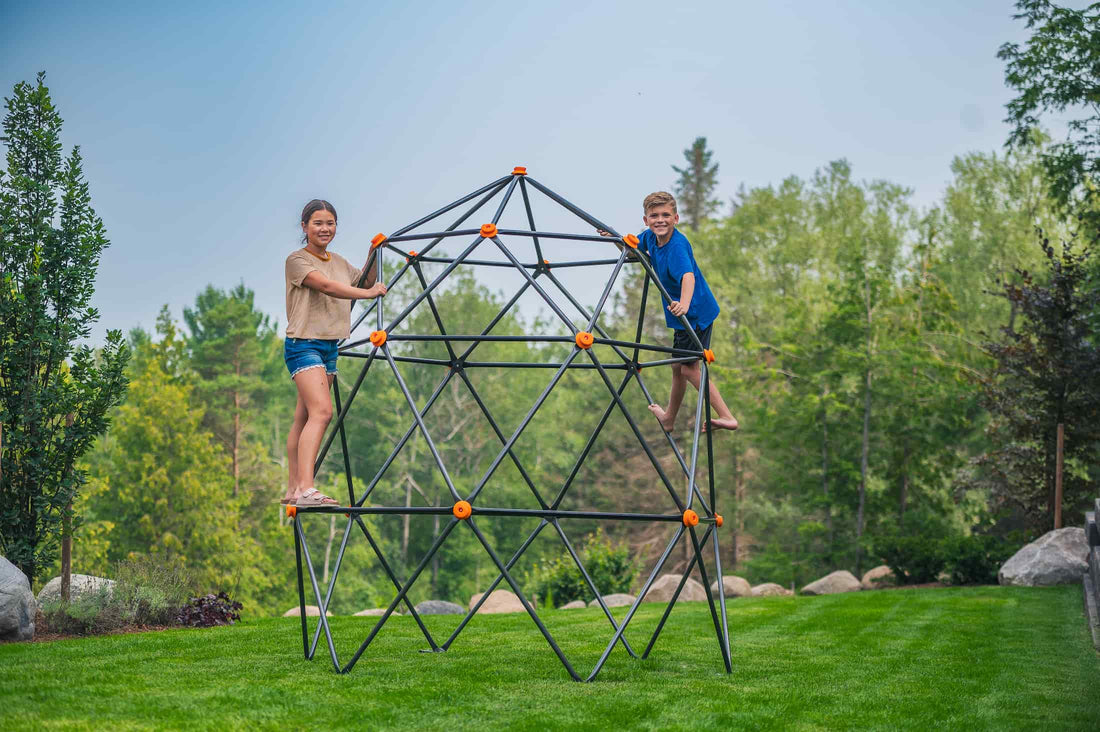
{"x":313,"y":393}
{"x":292,"y":449}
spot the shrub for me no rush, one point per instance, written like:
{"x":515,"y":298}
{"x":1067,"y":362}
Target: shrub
{"x":147,"y":591}
{"x":610,"y":566}
{"x":209,"y":610}
{"x":976,"y":559}
{"x":913,"y":559}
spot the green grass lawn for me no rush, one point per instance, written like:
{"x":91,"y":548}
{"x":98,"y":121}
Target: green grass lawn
{"x":955,"y":658}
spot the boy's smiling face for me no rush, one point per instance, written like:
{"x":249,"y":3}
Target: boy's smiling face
{"x":661,"y":220}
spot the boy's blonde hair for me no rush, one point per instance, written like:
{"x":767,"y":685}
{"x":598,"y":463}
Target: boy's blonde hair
{"x":660,"y":198}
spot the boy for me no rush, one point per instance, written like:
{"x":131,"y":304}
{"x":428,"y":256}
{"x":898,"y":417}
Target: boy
{"x":670,"y":253}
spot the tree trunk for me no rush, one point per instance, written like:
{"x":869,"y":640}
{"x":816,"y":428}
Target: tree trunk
{"x":825,"y":473}
{"x":903,"y":488}
{"x":865,"y":448}
{"x":237,"y":433}
{"x":405,"y":524}
{"x":66,"y":553}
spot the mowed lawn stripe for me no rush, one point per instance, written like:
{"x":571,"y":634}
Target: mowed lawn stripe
{"x":972,"y":657}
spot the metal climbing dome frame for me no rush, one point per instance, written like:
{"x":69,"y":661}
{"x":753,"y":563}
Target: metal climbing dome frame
{"x":693,"y":510}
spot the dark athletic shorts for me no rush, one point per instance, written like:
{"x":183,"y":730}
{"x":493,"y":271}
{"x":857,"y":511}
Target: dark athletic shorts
{"x":683,"y":340}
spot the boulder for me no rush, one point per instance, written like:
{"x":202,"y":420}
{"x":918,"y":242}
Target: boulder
{"x":376,"y":611}
{"x":312,"y":611}
{"x":662,"y":589}
{"x":880,"y":576}
{"x":17,"y":606}
{"x":79,"y":586}
{"x":839,"y":581}
{"x":617,"y":599}
{"x":733,"y":585}
{"x":1058,"y":557}
{"x":439,"y":607}
{"x":500,"y":601}
{"x":575,"y":605}
{"x":770,"y":589}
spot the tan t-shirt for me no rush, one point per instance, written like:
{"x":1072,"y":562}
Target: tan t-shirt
{"x":313,"y":314}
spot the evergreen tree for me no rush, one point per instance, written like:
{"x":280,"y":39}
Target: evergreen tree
{"x":54,"y":394}
{"x":695,"y":188}
{"x":229,"y":339}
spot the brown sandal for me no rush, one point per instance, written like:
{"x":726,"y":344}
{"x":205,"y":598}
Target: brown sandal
{"x":314,"y":497}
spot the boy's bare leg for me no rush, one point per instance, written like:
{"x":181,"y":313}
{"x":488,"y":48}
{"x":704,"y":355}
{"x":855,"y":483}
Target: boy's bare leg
{"x":667,"y":416}
{"x":725,"y":419}
{"x":313,"y":393}
{"x":292,"y":449}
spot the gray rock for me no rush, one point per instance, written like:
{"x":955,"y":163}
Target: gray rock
{"x":575,"y":605}
{"x":770,"y":589}
{"x":835,"y":582}
{"x":734,"y":586}
{"x":879,"y":576}
{"x":500,"y":601}
{"x":662,"y":589}
{"x":1057,"y":557}
{"x":375,"y":612}
{"x":17,"y":606}
{"x":80,"y":585}
{"x":312,"y":611}
{"x":617,"y":599}
{"x":439,"y":607}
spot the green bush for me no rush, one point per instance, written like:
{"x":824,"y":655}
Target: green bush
{"x":975,"y":559}
{"x":914,"y":559}
{"x":610,"y":566}
{"x":147,"y":591}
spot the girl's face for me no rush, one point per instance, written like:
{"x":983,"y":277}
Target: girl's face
{"x":320,"y":229}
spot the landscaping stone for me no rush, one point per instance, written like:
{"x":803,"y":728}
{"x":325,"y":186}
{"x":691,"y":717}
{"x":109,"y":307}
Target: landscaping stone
{"x":734,"y":586}
{"x":662,"y":589}
{"x":616,"y":599}
{"x":439,"y":607}
{"x":1058,"y":557}
{"x":575,"y":605}
{"x":880,"y":576}
{"x":79,"y":586}
{"x":312,"y":611}
{"x":376,"y":611}
{"x":17,"y":606}
{"x":500,"y":601}
{"x":835,"y":582}
{"x":770,"y":589}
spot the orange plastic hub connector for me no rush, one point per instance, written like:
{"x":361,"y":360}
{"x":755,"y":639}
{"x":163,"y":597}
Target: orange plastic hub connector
{"x":691,"y":518}
{"x":488,"y":230}
{"x":584,"y":339}
{"x":378,"y":338}
{"x":412,"y":254}
{"x":718,"y":520}
{"x":377,"y":240}
{"x":519,"y":170}
{"x":708,"y":355}
{"x":462,"y":510}
{"x":291,"y":510}
{"x":631,"y":241}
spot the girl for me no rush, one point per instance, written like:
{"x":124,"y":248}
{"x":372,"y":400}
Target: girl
{"x":320,"y":286}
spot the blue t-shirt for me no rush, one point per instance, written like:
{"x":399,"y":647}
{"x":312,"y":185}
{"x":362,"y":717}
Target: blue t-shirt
{"x":671,"y":262}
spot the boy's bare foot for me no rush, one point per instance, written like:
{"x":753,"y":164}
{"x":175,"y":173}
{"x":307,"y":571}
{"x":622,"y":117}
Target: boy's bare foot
{"x":662,"y":417}
{"x":721,"y":423}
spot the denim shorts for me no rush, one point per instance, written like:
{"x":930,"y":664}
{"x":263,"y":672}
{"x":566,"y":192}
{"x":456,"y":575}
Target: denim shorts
{"x":683,"y":340}
{"x":307,"y":353}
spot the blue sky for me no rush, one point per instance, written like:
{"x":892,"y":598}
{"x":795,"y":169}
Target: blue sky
{"x":206,"y":127}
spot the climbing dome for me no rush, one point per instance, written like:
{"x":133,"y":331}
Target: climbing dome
{"x":573,"y":331}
